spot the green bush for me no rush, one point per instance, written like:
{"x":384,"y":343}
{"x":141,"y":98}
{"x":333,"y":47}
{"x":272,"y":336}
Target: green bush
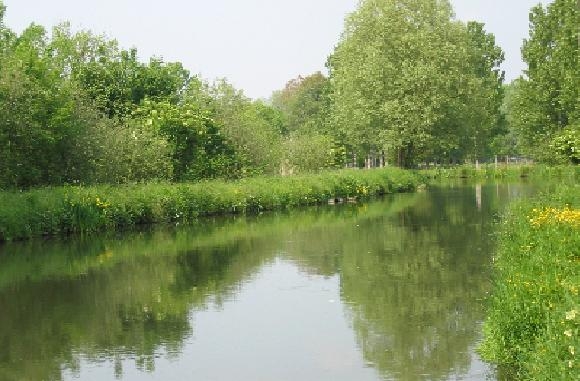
{"x":310,"y":152}
{"x":534,"y":316}
{"x":566,"y":144}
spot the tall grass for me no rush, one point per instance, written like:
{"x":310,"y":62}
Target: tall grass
{"x":490,"y":171}
{"x":66,"y":210}
{"x":534,"y":317}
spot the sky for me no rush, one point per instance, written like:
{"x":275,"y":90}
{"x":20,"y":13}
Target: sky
{"x":258,"y":45}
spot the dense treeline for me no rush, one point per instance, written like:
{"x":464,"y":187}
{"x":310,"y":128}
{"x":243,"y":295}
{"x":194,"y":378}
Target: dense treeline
{"x":410,"y":84}
{"x":407,"y":84}
{"x":77,"y":108}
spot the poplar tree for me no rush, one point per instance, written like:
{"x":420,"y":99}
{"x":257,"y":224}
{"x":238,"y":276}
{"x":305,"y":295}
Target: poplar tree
{"x":546,"y":110}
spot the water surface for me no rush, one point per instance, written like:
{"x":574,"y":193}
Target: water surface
{"x":389,"y":290}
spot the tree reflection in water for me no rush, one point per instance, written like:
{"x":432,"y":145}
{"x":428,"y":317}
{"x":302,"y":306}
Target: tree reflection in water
{"x":411,"y":269}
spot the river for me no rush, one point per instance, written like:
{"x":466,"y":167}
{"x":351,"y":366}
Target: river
{"x":392,"y":289}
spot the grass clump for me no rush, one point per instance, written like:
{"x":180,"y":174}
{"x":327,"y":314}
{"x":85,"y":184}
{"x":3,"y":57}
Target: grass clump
{"x":79,"y":209}
{"x":534,"y":316}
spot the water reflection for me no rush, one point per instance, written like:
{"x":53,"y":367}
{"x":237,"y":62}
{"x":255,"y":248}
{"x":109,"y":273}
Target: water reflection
{"x":408,"y":275}
{"x":414,"y":295}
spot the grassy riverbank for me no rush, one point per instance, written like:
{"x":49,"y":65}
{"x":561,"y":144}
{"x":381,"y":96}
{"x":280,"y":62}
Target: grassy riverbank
{"x":533,"y":321}
{"x":490,"y":171}
{"x":66,"y":210}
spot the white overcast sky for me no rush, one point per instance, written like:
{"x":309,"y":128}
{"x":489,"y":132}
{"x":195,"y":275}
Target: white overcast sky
{"x":258,"y":45}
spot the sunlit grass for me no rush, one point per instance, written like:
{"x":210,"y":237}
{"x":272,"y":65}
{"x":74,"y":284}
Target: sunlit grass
{"x":491,"y":171}
{"x":534,"y":318}
{"x":65,"y":210}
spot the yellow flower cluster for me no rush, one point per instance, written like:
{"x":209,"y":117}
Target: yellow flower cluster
{"x":547,"y":216}
{"x":101,"y":204}
{"x":362,"y":189}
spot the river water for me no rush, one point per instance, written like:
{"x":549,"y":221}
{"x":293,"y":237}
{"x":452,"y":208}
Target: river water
{"x":392,"y":289}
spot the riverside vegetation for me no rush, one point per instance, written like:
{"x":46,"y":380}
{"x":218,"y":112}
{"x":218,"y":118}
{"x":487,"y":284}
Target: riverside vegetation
{"x":75,"y":209}
{"x":82,"y":209}
{"x":406,"y":84}
{"x":533,"y":323}
{"x":515,"y":172}
{"x":94,"y":138}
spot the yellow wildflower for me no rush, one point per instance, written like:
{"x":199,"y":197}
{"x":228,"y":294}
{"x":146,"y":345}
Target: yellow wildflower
{"x":546,"y":216}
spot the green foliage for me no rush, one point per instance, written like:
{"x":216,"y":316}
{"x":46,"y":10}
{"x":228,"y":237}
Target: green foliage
{"x":46,"y":118}
{"x":250,"y":127}
{"x":309,"y":144}
{"x":533,"y":320}
{"x":567,"y":144}
{"x":54,"y":132}
{"x":113,"y":78}
{"x":311,"y":152}
{"x":198,"y":149}
{"x":547,"y":102}
{"x":409,"y":80}
{"x":123,"y":153}
{"x":304,"y":101}
{"x":76,"y":209}
{"x":119,"y":83}
{"x":82,"y":110}
{"x":490,"y":171}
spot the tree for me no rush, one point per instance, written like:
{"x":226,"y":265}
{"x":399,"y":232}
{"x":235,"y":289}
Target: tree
{"x":408,"y":79}
{"x":384,"y":72}
{"x":309,"y":143}
{"x":304,"y":101}
{"x":197,"y":147}
{"x":114,"y":78}
{"x":43,"y":116}
{"x":471,"y":120}
{"x":506,"y":143}
{"x":252,"y":128}
{"x":548,"y":101}
{"x":6,"y":35}
{"x":52,"y":132}
{"x":120,"y":83}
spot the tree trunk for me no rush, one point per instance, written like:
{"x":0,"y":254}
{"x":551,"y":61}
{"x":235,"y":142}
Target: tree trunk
{"x":399,"y":157}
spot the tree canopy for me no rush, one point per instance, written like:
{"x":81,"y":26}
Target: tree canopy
{"x":410,"y":80}
{"x":545,"y":111}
